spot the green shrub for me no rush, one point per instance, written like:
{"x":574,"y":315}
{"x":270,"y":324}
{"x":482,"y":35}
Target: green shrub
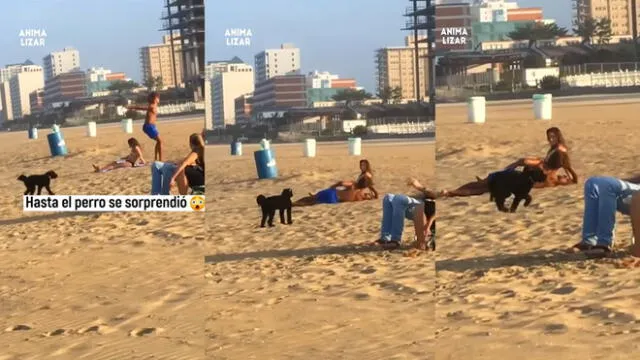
{"x":360,"y":130}
{"x":550,"y":82}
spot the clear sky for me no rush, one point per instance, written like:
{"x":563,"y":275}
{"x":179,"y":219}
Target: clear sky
{"x":339,"y":36}
{"x":107,"y":33}
{"x":560,"y":11}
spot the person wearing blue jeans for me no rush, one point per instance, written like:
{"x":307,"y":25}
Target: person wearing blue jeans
{"x":395,"y":209}
{"x":161,"y":174}
{"x":603,"y":197}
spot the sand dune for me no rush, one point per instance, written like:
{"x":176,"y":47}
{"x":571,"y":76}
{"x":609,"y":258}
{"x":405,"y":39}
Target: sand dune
{"x":97,"y":286}
{"x":311,"y":290}
{"x":505,"y":288}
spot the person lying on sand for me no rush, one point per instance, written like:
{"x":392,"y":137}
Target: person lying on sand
{"x":557,"y":158}
{"x":363,"y":181}
{"x":603,"y":197}
{"x":396,"y":208}
{"x":334,"y":196}
{"x":135,"y":158}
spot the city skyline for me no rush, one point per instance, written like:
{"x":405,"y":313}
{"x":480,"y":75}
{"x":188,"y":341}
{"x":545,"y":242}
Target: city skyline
{"x":105,"y":34}
{"x":323,"y":32}
{"x":561,"y":12}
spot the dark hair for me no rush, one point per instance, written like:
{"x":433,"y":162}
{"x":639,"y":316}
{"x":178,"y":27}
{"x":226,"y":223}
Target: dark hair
{"x":133,"y":142}
{"x":363,"y":180}
{"x":556,"y":131}
{"x":367,"y":165}
{"x":152,"y":96}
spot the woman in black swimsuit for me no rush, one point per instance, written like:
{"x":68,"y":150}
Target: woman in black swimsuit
{"x":190,"y":172}
{"x":364,"y":180}
{"x":557,"y":158}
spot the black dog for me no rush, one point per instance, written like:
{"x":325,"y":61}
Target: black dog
{"x":269,"y":205}
{"x":519,"y":183}
{"x":39,"y":181}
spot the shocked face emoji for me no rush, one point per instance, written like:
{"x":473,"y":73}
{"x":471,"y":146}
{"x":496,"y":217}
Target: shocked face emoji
{"x":197,"y":203}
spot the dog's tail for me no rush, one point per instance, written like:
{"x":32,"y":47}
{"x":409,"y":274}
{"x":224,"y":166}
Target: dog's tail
{"x":22,"y":178}
{"x":260,"y":199}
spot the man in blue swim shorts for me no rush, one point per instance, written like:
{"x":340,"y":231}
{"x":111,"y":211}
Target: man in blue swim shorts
{"x":151,"y":118}
{"x":334,"y":196}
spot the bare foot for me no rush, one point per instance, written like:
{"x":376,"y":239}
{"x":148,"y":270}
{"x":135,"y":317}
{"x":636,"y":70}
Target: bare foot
{"x":443,"y":193}
{"x":96,"y":168}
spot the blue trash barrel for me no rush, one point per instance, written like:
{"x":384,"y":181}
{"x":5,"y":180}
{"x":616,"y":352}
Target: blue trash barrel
{"x":33,"y":133}
{"x":266,"y":164}
{"x":236,"y":148}
{"x":57,"y":145}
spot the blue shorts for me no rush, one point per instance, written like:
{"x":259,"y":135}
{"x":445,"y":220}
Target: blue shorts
{"x":491,"y":176}
{"x":151,"y":130}
{"x":327,"y":196}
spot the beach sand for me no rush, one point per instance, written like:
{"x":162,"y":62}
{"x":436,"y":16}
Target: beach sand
{"x":312,"y":290}
{"x":506,"y":289}
{"x":97,"y":286}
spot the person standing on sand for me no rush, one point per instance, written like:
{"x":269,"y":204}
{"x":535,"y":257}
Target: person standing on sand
{"x":396,"y":208}
{"x":603,"y":197}
{"x":150,"y":120}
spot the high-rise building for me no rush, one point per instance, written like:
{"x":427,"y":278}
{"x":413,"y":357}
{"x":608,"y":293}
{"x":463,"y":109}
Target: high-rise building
{"x":158,"y":61}
{"x":30,"y":78}
{"x":618,"y":11}
{"x":396,"y":68}
{"x":100,"y":79}
{"x":276,"y":62}
{"x":65,"y":87}
{"x":452,"y":16}
{"x":60,"y":62}
{"x":243,"y":108}
{"x":36,"y":100}
{"x":6,"y":114}
{"x":184,"y":19}
{"x":232,"y":81}
{"x":280,"y":92}
{"x":216,"y":67}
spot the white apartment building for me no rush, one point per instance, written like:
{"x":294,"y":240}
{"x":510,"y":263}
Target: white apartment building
{"x":320,"y":80}
{"x":60,"y":62}
{"x":30,"y":78}
{"x":215,"y":67}
{"x":97,"y":74}
{"x":6,"y":114}
{"x":275,"y":62}
{"x":491,"y":10}
{"x":231,"y":82}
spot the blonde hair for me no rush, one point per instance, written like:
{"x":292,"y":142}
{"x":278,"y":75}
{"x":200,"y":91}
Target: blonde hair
{"x":197,"y":144}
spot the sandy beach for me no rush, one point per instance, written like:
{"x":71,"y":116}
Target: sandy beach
{"x":312,"y":290}
{"x":506,"y":289}
{"x":97,"y":286}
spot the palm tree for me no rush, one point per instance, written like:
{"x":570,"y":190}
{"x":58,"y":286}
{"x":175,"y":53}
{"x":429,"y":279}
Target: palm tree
{"x":587,"y":29}
{"x":603,"y":30}
{"x":537,"y":31}
{"x":396,"y":94}
{"x":385,"y":94}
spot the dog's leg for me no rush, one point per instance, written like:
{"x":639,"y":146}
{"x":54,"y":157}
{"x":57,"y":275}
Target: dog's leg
{"x":500,"y":203}
{"x":289,"y":220}
{"x":282,"y":216}
{"x":527,"y":200}
{"x":272,"y":213}
{"x":49,"y":190}
{"x":39,"y":190}
{"x":515,"y":203}
{"x":264,"y":218}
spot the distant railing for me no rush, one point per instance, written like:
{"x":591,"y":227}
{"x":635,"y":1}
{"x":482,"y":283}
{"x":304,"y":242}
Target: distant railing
{"x":603,"y":80}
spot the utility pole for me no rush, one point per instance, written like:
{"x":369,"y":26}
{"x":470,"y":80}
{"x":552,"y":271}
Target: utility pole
{"x":416,"y":49}
{"x":634,"y":29}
